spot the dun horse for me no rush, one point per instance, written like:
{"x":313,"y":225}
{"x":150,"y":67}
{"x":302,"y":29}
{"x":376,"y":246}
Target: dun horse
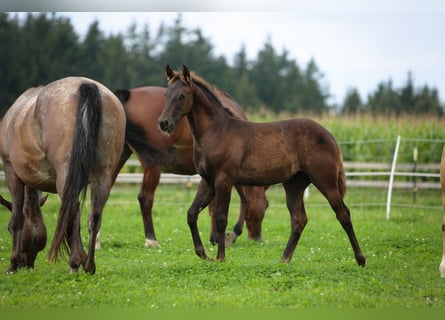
{"x":229,"y":151}
{"x":59,"y":138}
{"x":143,"y":106}
{"x":442,"y":182}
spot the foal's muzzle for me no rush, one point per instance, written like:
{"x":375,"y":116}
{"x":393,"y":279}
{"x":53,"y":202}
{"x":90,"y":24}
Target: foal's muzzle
{"x":166,"y":126}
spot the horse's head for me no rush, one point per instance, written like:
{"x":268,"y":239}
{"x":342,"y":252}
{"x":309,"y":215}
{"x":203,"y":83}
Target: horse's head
{"x":178,"y":98}
{"x":28,"y":209}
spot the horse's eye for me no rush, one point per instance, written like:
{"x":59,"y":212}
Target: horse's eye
{"x":182,"y":96}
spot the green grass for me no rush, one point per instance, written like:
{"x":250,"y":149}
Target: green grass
{"x":403,"y":254}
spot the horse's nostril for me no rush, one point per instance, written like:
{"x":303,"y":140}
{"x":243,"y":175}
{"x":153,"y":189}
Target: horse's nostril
{"x":165,"y":125}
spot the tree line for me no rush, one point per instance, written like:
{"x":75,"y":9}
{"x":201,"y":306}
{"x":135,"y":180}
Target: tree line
{"x":44,"y":47}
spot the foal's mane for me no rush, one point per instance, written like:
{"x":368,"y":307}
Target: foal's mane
{"x":209,"y":90}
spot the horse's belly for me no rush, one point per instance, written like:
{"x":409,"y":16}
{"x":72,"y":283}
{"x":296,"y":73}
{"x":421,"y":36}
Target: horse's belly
{"x":40,"y":175}
{"x":263,"y":176}
{"x":266,"y":168}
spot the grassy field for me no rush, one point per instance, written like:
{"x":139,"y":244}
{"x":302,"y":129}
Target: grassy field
{"x":403,"y":254}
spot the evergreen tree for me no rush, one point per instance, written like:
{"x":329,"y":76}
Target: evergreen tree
{"x":352,"y":103}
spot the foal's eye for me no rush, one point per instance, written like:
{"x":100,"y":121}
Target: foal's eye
{"x":182,"y":96}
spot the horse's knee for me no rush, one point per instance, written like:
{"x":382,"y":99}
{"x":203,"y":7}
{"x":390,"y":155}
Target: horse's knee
{"x":192,"y":217}
{"x":145,"y":201}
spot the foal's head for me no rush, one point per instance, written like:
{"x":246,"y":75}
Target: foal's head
{"x":178,"y":98}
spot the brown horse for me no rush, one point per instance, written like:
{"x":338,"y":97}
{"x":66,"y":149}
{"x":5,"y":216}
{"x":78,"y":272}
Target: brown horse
{"x":442,"y":182}
{"x":59,"y":138}
{"x":143,"y":106}
{"x":230,"y":151}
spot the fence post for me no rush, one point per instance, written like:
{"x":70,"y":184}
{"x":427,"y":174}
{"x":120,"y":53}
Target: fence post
{"x":391,"y":178}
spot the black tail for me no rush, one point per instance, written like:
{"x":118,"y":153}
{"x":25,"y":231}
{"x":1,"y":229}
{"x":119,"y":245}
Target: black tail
{"x":82,"y":162}
{"x":135,"y":138}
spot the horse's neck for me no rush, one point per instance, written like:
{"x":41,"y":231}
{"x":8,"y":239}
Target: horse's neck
{"x":204,"y":117}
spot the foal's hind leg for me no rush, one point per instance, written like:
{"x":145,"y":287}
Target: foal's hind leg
{"x":294,"y":199}
{"x":203,"y":196}
{"x":343,"y":216}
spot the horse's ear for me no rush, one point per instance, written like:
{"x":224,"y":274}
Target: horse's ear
{"x":186,"y":74}
{"x":6,"y":203}
{"x":169,"y":72}
{"x":43,"y":200}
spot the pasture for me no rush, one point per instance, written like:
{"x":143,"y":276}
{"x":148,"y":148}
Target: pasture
{"x":402,"y":253}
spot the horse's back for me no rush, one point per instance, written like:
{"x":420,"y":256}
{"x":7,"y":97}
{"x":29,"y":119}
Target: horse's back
{"x":57,"y":110}
{"x":279,"y":149}
{"x":37,"y":132}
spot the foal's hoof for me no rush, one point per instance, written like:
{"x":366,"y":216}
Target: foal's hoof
{"x":230,"y":239}
{"x":361,"y":260}
{"x":149,"y":243}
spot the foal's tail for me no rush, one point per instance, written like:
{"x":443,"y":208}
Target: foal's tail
{"x":82,"y":161}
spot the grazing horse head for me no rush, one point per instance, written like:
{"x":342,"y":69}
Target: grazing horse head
{"x":33,"y":236}
{"x":182,"y":96}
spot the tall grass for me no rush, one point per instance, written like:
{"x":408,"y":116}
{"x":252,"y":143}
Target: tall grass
{"x":372,"y":138}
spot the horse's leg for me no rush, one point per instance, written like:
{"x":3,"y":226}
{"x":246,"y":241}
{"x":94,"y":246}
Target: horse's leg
{"x":442,"y":182}
{"x":203,"y":196}
{"x":230,"y":237}
{"x":442,"y":263}
{"x":294,"y":199}
{"x":126,"y":153}
{"x":77,"y":252}
{"x":213,"y":232}
{"x":146,"y":198}
{"x":16,"y":222}
{"x":254,"y":204}
{"x":222,"y":201}
{"x":100,"y":192}
{"x":329,"y":188}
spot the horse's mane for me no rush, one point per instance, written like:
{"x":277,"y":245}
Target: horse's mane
{"x":209,"y":90}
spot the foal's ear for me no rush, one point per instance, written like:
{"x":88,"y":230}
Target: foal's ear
{"x":169,"y":72}
{"x":186,"y":74}
{"x":6,"y":203}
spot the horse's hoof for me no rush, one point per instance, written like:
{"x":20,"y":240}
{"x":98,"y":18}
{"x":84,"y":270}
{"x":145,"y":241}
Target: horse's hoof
{"x":255,"y":238}
{"x":361,"y":260}
{"x":73,"y":270}
{"x":149,"y":243}
{"x":11,"y":271}
{"x":97,"y":245}
{"x":230,"y":239}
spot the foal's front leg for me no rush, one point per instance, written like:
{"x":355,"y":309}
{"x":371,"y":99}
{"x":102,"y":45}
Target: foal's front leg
{"x":203,"y":196}
{"x":222,"y":200}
